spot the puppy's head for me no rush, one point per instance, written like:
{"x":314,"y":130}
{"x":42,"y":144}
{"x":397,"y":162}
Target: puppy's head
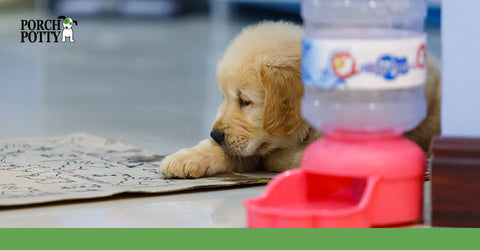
{"x":259,"y":77}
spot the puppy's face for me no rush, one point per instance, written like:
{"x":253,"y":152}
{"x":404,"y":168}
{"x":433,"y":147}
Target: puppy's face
{"x":259,"y":78}
{"x":240,"y":117}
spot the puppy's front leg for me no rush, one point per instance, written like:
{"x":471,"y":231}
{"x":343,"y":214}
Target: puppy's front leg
{"x":205,"y":159}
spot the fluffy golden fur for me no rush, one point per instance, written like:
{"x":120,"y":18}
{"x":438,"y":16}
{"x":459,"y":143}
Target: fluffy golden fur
{"x":260,"y":79}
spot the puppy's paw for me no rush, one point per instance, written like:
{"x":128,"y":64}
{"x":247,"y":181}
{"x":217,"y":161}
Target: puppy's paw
{"x":193,"y":163}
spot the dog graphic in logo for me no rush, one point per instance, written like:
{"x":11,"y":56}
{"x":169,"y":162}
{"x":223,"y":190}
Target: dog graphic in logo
{"x":67,"y":28}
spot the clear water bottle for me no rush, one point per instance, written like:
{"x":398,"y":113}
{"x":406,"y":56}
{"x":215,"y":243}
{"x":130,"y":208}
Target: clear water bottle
{"x":364,"y":64}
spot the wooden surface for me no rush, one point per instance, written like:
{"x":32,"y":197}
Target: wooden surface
{"x":455,"y":182}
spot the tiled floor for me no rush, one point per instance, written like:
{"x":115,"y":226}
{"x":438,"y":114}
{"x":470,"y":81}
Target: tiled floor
{"x":150,"y":83}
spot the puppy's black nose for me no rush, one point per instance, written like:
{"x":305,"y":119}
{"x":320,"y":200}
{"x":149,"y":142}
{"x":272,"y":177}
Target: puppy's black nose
{"x":218,"y":136}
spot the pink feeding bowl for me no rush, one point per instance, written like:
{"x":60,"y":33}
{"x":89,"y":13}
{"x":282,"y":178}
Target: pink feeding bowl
{"x":346,"y":181}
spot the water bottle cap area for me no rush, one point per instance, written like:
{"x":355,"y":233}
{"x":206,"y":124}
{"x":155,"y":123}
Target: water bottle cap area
{"x":408,"y":14}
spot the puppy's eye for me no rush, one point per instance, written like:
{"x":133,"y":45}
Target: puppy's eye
{"x":244,"y":103}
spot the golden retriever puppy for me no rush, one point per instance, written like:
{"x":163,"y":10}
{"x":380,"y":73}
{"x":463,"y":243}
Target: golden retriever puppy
{"x":259,"y":121}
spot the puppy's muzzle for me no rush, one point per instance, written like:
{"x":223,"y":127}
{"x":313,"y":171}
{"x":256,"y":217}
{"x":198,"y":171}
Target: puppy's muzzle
{"x":218,"y":136}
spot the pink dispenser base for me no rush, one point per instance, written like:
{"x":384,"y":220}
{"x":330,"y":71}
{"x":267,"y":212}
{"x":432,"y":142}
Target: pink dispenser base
{"x":346,"y":181}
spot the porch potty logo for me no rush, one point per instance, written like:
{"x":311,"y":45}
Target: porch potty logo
{"x":47,"y":31}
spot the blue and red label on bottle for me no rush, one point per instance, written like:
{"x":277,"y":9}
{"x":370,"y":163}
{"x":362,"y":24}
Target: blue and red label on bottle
{"x":364,"y":63}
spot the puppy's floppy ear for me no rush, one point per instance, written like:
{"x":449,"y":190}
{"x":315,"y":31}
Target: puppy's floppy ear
{"x":61,"y":17}
{"x":283,"y":95}
{"x":75,"y":22}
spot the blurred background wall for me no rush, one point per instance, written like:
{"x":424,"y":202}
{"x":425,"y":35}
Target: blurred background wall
{"x":461,"y":36}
